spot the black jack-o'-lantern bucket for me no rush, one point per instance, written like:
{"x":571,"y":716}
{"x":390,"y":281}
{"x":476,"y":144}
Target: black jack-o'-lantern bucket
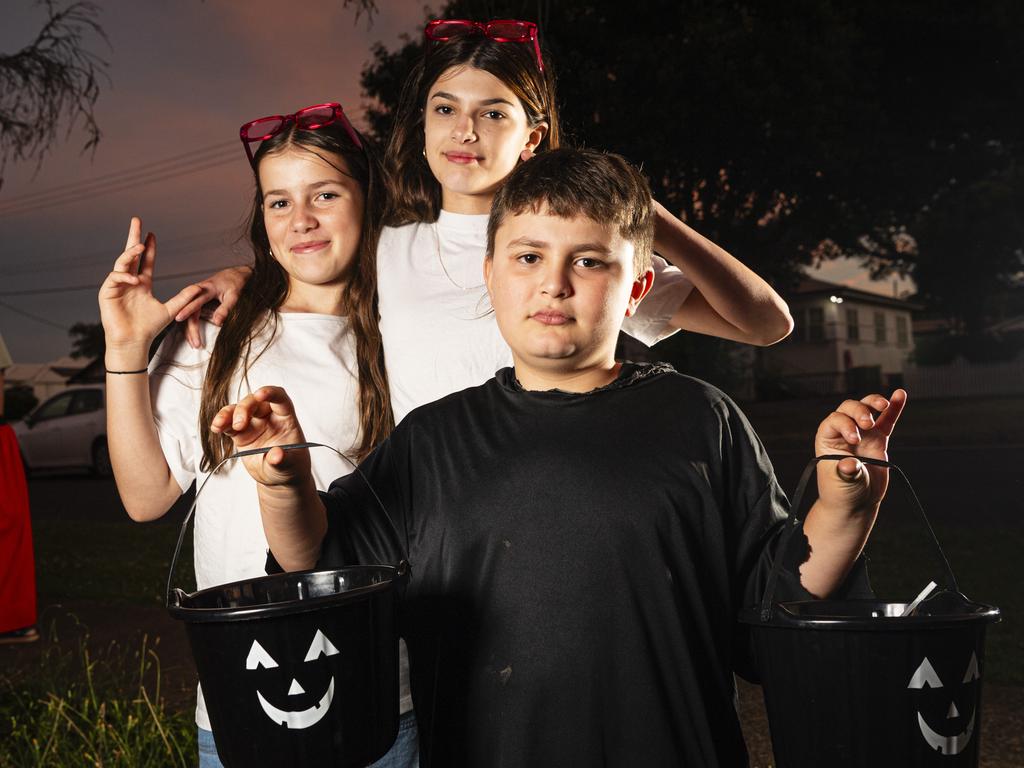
{"x":297,"y":668}
{"x":870,"y":683}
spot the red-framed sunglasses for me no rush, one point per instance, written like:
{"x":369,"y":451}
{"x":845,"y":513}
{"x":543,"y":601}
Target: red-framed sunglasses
{"x":309,"y":119}
{"x":499,"y":30}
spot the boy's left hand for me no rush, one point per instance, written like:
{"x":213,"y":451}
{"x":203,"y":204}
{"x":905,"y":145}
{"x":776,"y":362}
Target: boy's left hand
{"x":854,"y":431}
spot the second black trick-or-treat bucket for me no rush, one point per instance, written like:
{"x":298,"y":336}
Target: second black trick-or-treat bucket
{"x":858,"y":683}
{"x":297,"y":669}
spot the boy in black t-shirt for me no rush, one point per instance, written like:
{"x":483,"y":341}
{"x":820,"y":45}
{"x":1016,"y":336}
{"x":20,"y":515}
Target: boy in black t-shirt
{"x":582,"y":532}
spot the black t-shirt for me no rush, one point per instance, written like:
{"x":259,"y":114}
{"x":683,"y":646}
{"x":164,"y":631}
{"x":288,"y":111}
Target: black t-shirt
{"x":577,"y":564}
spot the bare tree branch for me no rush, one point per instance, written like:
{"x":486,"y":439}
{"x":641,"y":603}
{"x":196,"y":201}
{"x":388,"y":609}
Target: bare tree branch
{"x":52,"y":83}
{"x":369,"y":7}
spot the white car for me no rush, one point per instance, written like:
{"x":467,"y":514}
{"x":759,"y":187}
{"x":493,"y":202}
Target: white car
{"x":68,"y":430}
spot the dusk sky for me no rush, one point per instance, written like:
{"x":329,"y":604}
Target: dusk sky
{"x":184,"y":76}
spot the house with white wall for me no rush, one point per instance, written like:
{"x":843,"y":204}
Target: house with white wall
{"x":44,"y":379}
{"x":844,"y":340}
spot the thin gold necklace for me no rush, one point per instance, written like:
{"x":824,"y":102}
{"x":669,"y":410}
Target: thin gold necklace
{"x":440,"y":259}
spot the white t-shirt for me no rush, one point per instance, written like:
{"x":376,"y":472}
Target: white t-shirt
{"x":439,"y":333}
{"x":314,"y":358}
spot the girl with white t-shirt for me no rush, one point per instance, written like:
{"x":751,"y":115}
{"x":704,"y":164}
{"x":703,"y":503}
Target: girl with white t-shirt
{"x":476,"y":105}
{"x":307,"y":320}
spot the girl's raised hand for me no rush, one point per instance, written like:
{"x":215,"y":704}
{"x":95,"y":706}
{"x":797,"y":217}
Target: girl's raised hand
{"x":132,"y":316}
{"x":266,"y":418}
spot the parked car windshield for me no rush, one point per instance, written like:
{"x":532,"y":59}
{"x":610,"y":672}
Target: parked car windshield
{"x":58,"y":406}
{"x":86,"y":401}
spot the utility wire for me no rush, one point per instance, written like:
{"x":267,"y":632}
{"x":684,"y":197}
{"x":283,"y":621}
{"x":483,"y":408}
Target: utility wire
{"x":116,"y":176}
{"x":196,"y":243}
{"x":94,"y":287}
{"x":80,"y":197}
{"x":30,"y":316}
{"x":196,"y":160}
{"x":91,"y":186}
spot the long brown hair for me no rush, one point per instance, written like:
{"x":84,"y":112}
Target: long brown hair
{"x":266,"y":290}
{"x":415,"y":195}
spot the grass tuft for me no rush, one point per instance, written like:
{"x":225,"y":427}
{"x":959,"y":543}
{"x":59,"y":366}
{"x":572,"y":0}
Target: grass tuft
{"x":86,"y":709}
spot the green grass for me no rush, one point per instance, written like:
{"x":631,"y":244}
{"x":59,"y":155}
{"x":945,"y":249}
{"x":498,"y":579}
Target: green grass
{"x":117,"y":560}
{"x":88,"y":708}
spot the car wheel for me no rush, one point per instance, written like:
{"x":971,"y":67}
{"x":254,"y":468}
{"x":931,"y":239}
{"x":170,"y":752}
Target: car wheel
{"x":101,"y":459}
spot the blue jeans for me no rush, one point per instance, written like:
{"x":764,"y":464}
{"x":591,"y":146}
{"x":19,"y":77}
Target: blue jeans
{"x":404,"y":753}
{"x":208,"y":757}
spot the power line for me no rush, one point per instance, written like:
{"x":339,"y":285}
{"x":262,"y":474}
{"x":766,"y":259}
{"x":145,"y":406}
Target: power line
{"x":30,"y":316}
{"x":114,"y":176}
{"x":193,"y":161}
{"x":95,"y":287}
{"x":100,"y":190}
{"x":92,"y":186}
{"x":199,"y":242}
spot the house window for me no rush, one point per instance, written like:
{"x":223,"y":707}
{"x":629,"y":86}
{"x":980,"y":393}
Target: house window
{"x":880,"y":328}
{"x":852,"y":326}
{"x":902,"y":331}
{"x":815,"y":324}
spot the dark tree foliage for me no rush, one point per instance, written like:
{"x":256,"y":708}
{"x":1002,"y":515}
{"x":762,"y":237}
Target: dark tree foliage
{"x":18,"y":400}
{"x":87,"y":340}
{"x":369,"y":7}
{"x":784,"y":131}
{"x":969,"y":260}
{"x":51,"y":84}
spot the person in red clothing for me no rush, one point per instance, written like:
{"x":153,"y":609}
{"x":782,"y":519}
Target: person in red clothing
{"x":17,"y":564}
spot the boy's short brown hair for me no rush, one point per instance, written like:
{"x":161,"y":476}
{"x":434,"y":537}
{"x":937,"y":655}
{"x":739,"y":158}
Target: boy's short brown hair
{"x":581,"y":182}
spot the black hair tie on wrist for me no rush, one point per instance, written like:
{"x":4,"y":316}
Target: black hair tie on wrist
{"x":121,"y":373}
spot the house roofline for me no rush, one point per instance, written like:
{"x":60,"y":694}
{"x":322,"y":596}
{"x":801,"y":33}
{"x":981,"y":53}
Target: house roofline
{"x":811,"y":287}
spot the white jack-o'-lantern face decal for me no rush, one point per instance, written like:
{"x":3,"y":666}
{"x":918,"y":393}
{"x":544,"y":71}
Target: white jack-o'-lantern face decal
{"x":926,"y":677}
{"x":303,"y":718}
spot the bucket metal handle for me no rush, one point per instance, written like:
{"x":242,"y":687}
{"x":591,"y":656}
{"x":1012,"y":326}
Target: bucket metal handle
{"x":795,"y":523}
{"x":174,"y":595}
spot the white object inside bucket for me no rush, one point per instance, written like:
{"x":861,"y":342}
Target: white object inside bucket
{"x":917,"y":600}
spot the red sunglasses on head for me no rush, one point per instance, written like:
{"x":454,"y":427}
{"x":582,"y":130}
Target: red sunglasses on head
{"x":308,"y":119}
{"x":499,"y":30}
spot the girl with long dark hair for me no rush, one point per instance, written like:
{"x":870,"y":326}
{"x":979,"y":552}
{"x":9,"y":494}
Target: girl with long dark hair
{"x":307,"y":316}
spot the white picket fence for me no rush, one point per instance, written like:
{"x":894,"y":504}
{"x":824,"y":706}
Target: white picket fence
{"x":962,"y":378}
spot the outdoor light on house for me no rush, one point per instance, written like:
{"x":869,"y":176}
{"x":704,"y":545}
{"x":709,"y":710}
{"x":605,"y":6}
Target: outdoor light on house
{"x":836,"y":299}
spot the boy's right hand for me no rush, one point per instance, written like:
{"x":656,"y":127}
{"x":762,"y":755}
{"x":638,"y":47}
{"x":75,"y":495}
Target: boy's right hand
{"x":132,"y":316}
{"x":266,"y":418}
